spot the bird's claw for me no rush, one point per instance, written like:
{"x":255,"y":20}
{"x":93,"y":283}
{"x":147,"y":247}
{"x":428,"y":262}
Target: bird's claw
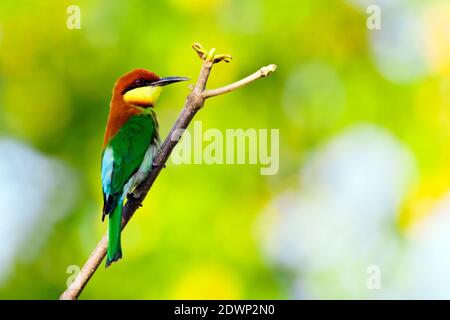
{"x":134,"y":196}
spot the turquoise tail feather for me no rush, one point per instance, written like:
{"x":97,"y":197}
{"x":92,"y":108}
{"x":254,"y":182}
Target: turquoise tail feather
{"x":114,"y":251}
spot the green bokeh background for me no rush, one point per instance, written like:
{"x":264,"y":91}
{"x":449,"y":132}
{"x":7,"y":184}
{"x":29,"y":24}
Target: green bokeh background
{"x":195,"y":236}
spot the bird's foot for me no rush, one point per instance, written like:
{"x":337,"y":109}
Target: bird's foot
{"x":135,"y":195}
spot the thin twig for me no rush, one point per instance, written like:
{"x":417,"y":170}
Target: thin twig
{"x":194,"y":102}
{"x":263,"y":72}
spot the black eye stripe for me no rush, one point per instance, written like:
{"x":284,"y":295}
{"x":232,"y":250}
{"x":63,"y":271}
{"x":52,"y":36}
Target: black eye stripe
{"x":141,"y":82}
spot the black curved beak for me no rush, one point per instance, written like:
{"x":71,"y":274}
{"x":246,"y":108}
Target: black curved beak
{"x":167,"y":80}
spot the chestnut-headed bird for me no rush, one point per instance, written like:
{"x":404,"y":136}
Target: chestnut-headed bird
{"x":130,"y":144}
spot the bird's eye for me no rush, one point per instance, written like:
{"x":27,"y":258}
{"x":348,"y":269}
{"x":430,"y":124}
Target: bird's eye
{"x":140,"y":82}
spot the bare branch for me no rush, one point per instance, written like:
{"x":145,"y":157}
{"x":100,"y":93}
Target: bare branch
{"x":194,"y":102}
{"x":263,"y":72}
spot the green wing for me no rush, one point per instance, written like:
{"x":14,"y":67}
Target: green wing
{"x":128,"y":149}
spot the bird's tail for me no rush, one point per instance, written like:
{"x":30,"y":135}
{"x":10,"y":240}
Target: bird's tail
{"x":114,"y":251}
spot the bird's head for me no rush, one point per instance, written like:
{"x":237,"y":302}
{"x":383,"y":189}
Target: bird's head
{"x":141,"y":88}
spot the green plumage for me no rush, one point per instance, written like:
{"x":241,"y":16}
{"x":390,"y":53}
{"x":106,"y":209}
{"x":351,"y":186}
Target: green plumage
{"x":114,"y":251}
{"x":129,"y":147}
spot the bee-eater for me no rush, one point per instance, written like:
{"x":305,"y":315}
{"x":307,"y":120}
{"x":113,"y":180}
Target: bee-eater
{"x":130,"y":144}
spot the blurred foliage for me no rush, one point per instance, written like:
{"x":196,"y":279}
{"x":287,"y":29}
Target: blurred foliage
{"x":194,"y":236}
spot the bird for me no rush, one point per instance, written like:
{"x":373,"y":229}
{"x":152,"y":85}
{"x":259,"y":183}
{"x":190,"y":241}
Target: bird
{"x":130,"y":143}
